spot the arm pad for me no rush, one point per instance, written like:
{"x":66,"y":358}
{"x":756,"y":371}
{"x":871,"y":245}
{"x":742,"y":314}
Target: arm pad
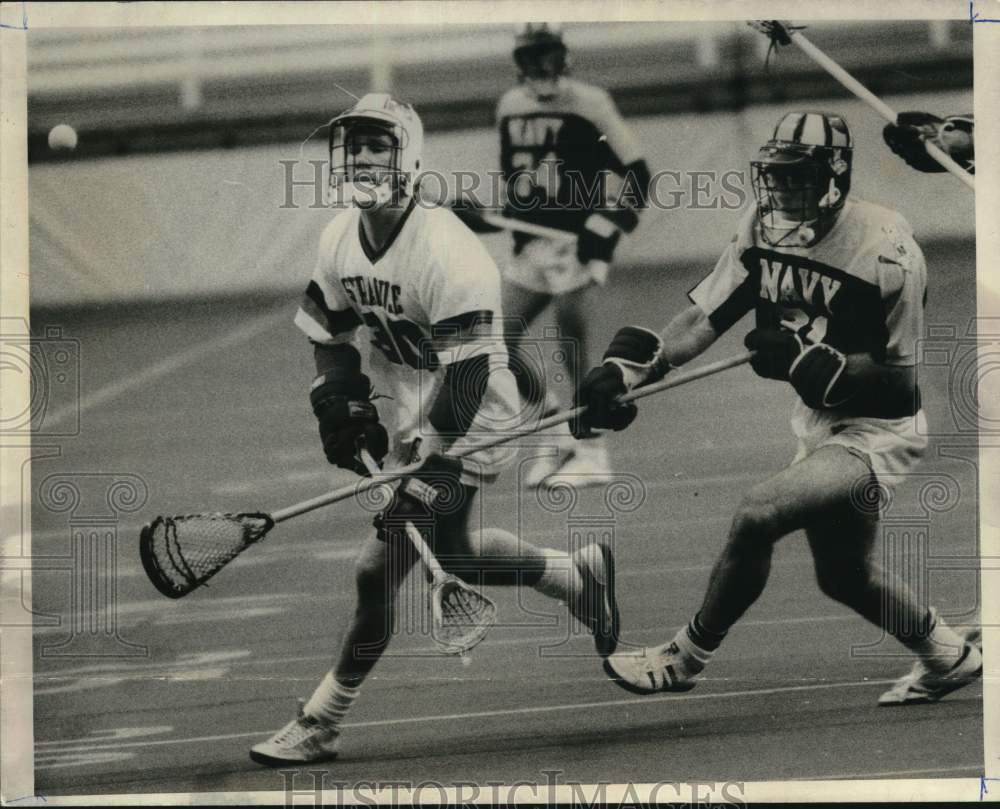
{"x":460,"y":397}
{"x":635,"y":193}
{"x":342,"y":356}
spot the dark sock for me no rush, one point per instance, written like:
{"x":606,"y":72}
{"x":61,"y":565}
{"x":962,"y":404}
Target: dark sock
{"x":705,"y":638}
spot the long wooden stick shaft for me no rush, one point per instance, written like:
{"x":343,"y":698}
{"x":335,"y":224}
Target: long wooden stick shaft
{"x":876,"y":103}
{"x":362,"y":485}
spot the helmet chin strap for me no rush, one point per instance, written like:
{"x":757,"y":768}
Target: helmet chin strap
{"x":802,"y":233}
{"x":794,"y":233}
{"x":363,"y":195}
{"x":367,"y":195}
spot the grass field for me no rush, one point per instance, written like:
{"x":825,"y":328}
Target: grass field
{"x":212,"y":420}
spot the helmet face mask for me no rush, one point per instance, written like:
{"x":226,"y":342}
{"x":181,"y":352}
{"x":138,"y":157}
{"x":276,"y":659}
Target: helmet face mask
{"x":801,"y":178}
{"x":787,"y":196}
{"x":375,"y":152}
{"x":365,"y":156}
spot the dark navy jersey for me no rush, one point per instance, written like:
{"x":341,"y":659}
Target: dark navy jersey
{"x":554,"y":153}
{"x":861,"y":289}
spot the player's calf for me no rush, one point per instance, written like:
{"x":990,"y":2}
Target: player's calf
{"x":596,"y":605}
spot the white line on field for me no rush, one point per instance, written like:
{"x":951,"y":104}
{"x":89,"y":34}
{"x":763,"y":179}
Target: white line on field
{"x":978,"y":768}
{"x":167,"y":365}
{"x":506,"y":712}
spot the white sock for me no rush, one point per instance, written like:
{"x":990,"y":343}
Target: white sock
{"x":560,"y":580}
{"x":331,"y":700}
{"x":942,"y":648}
{"x":693,"y":657}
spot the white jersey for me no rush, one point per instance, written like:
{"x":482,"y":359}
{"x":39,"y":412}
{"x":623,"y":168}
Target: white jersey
{"x":429,"y":298}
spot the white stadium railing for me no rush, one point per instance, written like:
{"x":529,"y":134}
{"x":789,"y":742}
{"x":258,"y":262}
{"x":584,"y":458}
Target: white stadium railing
{"x":80,"y":60}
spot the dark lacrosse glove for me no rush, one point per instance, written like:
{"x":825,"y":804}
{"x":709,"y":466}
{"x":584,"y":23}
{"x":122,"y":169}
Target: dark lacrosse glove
{"x":776,"y":349}
{"x":341,"y":401}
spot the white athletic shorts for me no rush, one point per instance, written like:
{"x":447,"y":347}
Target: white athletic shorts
{"x":892,"y":447}
{"x":550,"y":266}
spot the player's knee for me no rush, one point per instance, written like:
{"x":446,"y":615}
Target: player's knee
{"x":841,"y":581}
{"x":755,"y":522}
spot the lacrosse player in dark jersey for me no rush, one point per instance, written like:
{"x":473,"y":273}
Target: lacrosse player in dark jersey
{"x":560,"y":138}
{"x":838,"y":289}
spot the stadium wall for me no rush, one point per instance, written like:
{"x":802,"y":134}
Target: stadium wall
{"x":221,"y":222}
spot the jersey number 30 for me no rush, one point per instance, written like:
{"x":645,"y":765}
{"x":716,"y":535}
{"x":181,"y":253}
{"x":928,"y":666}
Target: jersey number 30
{"x":401,"y":341}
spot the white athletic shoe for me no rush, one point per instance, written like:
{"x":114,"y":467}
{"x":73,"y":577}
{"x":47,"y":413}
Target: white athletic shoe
{"x":587,"y":465}
{"x":303,"y":740}
{"x":652,"y":669}
{"x":597,"y":606}
{"x":921,"y":686}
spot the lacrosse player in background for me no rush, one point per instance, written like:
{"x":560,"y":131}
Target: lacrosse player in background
{"x":838,"y":287}
{"x":559,"y":138}
{"x":954,"y":135}
{"x":419,"y":286}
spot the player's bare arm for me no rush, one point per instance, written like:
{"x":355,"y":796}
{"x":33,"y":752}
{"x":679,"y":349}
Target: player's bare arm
{"x":636,"y":357}
{"x":687,"y":335}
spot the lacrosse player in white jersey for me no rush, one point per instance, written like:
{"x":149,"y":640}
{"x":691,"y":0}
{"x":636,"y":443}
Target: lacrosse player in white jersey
{"x":838,"y":287}
{"x":416,"y":284}
{"x":559,"y":139}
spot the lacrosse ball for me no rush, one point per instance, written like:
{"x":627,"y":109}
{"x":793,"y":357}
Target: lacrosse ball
{"x":62,"y":138}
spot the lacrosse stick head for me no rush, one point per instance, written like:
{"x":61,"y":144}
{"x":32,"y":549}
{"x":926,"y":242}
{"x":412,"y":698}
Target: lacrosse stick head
{"x":778,"y":31}
{"x":179,"y":554}
{"x":460,"y":615}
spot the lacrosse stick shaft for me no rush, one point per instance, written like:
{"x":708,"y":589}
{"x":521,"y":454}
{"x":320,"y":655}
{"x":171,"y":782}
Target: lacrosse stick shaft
{"x":342,"y":493}
{"x":437,"y":572}
{"x":673,"y":381}
{"x":352,"y":489}
{"x":507,"y":223}
{"x":426,"y":554}
{"x":874,"y":102}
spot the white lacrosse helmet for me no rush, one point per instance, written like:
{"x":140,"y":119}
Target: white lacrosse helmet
{"x":382,"y":114}
{"x":815,"y":148}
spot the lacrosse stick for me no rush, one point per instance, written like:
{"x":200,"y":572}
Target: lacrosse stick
{"x":783,"y":33}
{"x":482,"y":221}
{"x":506,"y":223}
{"x":181,"y":553}
{"x":460,"y":615}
